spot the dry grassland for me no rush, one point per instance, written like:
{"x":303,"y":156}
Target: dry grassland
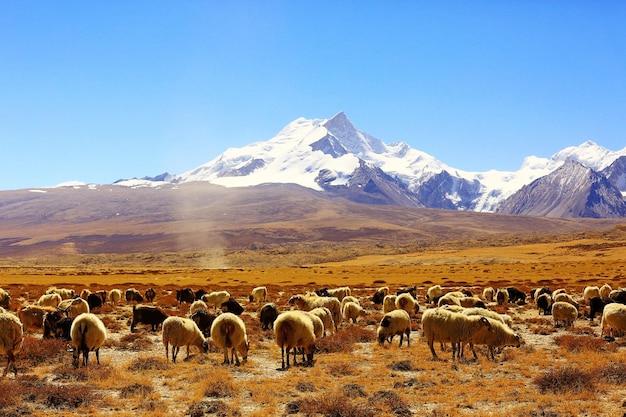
{"x":556,"y":372}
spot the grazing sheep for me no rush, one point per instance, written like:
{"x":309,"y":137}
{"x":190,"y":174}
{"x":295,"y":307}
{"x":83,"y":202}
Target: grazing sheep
{"x":327,"y":319}
{"x":396,"y":322}
{"x":389,"y":303}
{"x":349,"y":299}
{"x":186,"y":295}
{"x":502,"y":296}
{"x":229,"y":333}
{"x":596,"y":305}
{"x":619,"y":296}
{"x":154,"y":316}
{"x":74,"y":307}
{"x":496,"y":336}
{"x":380,"y":294}
{"x":434,"y":293}
{"x":614,"y":317}
{"x":268,"y":315}
{"x":65,"y":293}
{"x":352,"y":311}
{"x":258,"y":294}
{"x":31,"y":316}
{"x":605,"y":291}
{"x":567,"y":298}
{"x":292,"y":330}
{"x":544,"y":303}
{"x":538,"y":291}
{"x":338,"y":293}
{"x":306,"y":303}
{"x":115,"y":295}
{"x":63,"y":328}
{"x":216,"y":298}
{"x":232,"y":306}
{"x":204,"y":319}
{"x":411,"y":290}
{"x":318,"y":327}
{"x":449,"y":299}
{"x":470,"y":302}
{"x":441,"y":325}
{"x":85,"y":293}
{"x":590,"y":291}
{"x":516,"y":295}
{"x":95,"y":300}
{"x":503,"y":318}
{"x":5,"y":298}
{"x":197,"y":305}
{"x":133,"y":296}
{"x":50,"y":320}
{"x":406,"y":302}
{"x":488,"y":294}
{"x":563,"y":311}
{"x":49,"y":300}
{"x":11,"y":338}
{"x":150,"y":294}
{"x":87,"y":335}
{"x":180,"y":331}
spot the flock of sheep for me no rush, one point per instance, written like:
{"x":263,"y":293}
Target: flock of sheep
{"x":458,"y":318}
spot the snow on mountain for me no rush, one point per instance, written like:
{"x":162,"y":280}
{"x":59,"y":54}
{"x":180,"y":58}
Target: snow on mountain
{"x":331,"y":155}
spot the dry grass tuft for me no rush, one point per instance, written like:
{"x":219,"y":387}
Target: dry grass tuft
{"x":344,"y":339}
{"x":614,"y":373}
{"x":577,"y":344}
{"x":149,"y":363}
{"x":331,"y":404}
{"x":42,"y":351}
{"x":565,"y":380}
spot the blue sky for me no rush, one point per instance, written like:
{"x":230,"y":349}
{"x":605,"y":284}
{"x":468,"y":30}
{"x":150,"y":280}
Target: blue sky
{"x":97,"y":91}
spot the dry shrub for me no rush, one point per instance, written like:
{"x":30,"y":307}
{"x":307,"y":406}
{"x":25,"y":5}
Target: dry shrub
{"x":10,"y":390}
{"x":330,"y":404}
{"x":218,"y":384}
{"x":134,"y":341}
{"x":391,"y":401}
{"x":614,"y":373}
{"x":344,"y":339}
{"x":583,"y":343}
{"x":92,"y":372}
{"x":208,"y":407}
{"x":42,"y":351}
{"x":149,"y":363}
{"x":136,"y":389}
{"x":58,"y":396}
{"x":565,"y":380}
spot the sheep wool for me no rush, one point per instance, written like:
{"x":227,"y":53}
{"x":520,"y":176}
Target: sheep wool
{"x":11,"y":339}
{"x":433,"y":293}
{"x":614,"y":317}
{"x":562,"y":311}
{"x":308,"y":303}
{"x":396,"y":322}
{"x":406,"y":302}
{"x":389,"y":303}
{"x":228,"y":332}
{"x":294,"y":329}
{"x":496,"y":336}
{"x":352,"y":311}
{"x":258,"y":294}
{"x":181,"y":331}
{"x":87,"y":335}
{"x":326,"y":316}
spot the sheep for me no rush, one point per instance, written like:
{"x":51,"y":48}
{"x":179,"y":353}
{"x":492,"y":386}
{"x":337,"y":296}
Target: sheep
{"x":389,"y":303}
{"x":232,"y":306}
{"x":5,"y":298}
{"x":411,"y":290}
{"x":477,"y":311}
{"x":76,"y":307}
{"x":228,"y":332}
{"x":115,"y":295}
{"x":65,"y":293}
{"x":614,"y":317}
{"x":516,"y":296}
{"x":596,"y":305}
{"x":268,"y":315}
{"x":327,"y":319}
{"x":406,"y":302}
{"x":197,"y":305}
{"x":50,"y":321}
{"x":11,"y":339}
{"x":95,"y":300}
{"x":488,"y":294}
{"x":565,"y":312}
{"x":216,"y":298}
{"x":318,"y":327}
{"x":567,"y":298}
{"x":440,"y":325}
{"x":396,"y":322}
{"x":449,"y":299}
{"x":380,"y":294}
{"x":434,"y":293}
{"x":349,"y":299}
{"x":538,"y":291}
{"x":605,"y":291}
{"x":181,"y":331}
{"x":150,"y":294}
{"x":85,"y":293}
{"x":32,"y":316}
{"x":186,"y":295}
{"x":154,"y":316}
{"x":591,"y":291}
{"x":496,"y":336}
{"x":470,"y":302}
{"x":49,"y":300}
{"x":87,"y":335}
{"x":133,"y":296}
{"x":258,"y":294}
{"x":199,"y":293}
{"x":294,"y":329}
{"x":502,"y":296}
{"x":352,"y":311}
{"x":305,"y":303}
{"x":338,"y":293}
{"x":544,"y":303}
{"x":204,"y":319}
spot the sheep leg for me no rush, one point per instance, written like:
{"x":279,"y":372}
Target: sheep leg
{"x":226,"y":361}
{"x":175,"y":350}
{"x":408,"y":332}
{"x":401,"y":338}
{"x":86,"y":357}
{"x":236,"y":361}
{"x":167,"y":353}
{"x":98,"y":356}
{"x":432,"y":349}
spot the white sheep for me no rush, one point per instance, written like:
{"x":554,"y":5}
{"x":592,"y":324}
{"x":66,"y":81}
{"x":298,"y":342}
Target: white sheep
{"x":605,"y":291}
{"x":614,"y":317}
{"x":567,"y":298}
{"x":318,"y":325}
{"x":49,"y":300}
{"x":181,"y":331}
{"x":197,"y":305}
{"x":449,"y":299}
{"x":349,"y":299}
{"x":591,"y":291}
{"x":406,"y":302}
{"x":292,"y":330}
{"x":5,"y":297}
{"x":565,"y":312}
{"x":380,"y":294}
{"x":216,"y":298}
{"x":87,"y":335}
{"x":340,"y":292}
{"x":498,"y":335}
{"x":65,"y":293}
{"x":115,"y":295}
{"x":488,"y":294}
{"x":477,"y":311}
{"x":258,"y":294}
{"x":471,"y":302}
{"x":308,"y":303}
{"x":74,"y":307}
{"x":11,"y":338}
{"x":228,"y":332}
{"x":326,"y":316}
{"x":441,"y":325}
{"x":433,"y":293}
{"x":396,"y":322}
{"x":389,"y":303}
{"x":31,"y":316}
{"x":352,"y":311}
{"x":85,"y":293}
{"x":502,"y":296}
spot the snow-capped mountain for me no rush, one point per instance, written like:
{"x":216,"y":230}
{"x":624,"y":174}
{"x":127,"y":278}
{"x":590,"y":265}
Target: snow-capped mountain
{"x":332,"y":155}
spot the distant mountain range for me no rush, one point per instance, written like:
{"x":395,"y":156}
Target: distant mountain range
{"x":333,"y":156}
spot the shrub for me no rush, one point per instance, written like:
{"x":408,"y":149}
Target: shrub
{"x":344,"y":339}
{"x":563,"y":380}
{"x":331,"y":404}
{"x":42,"y":351}
{"x":614,"y":373}
{"x":574,"y":343}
